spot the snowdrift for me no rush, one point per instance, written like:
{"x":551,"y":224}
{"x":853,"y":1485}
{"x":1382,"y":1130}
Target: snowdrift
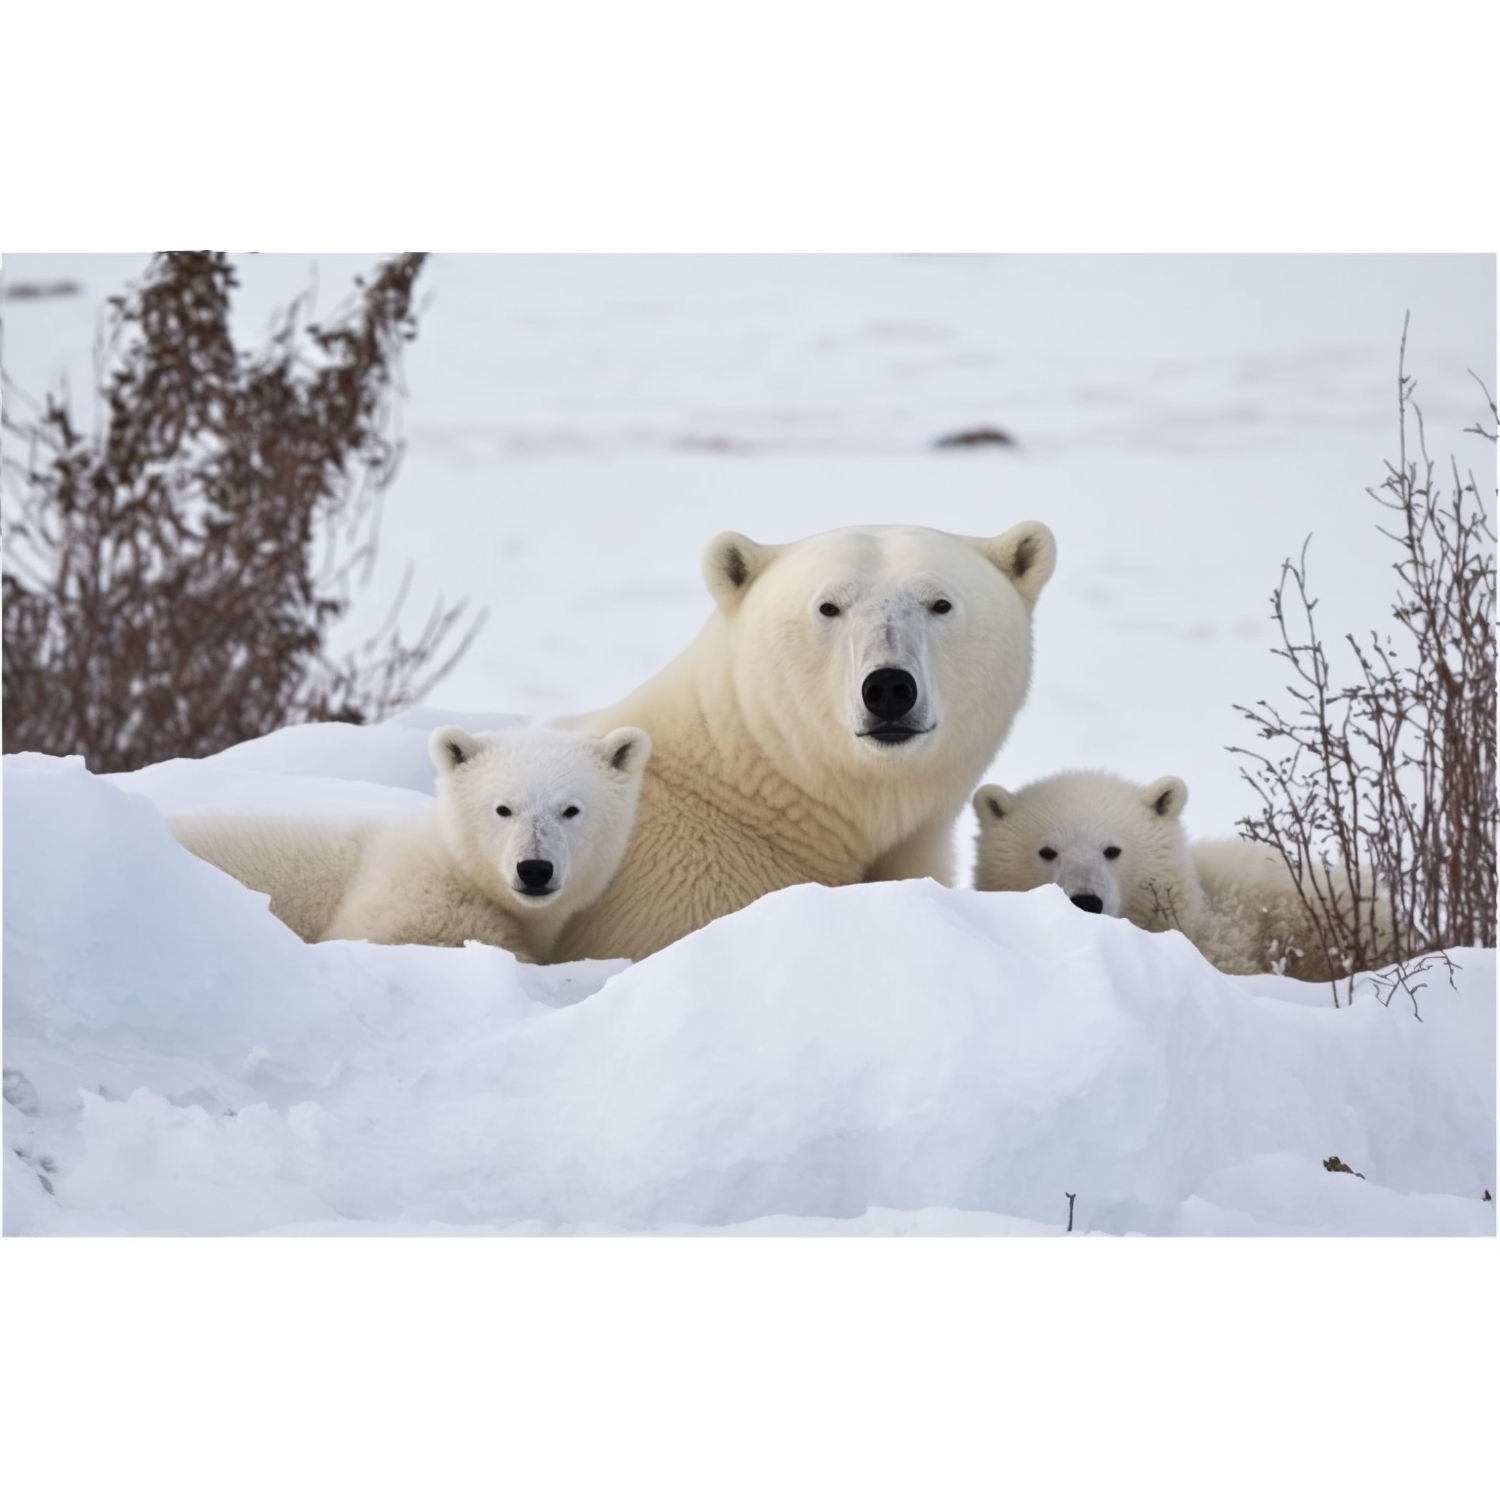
{"x":880,"y":1059}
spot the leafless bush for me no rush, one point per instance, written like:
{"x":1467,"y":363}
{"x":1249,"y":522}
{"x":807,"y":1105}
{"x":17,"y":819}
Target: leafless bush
{"x":170,"y":581}
{"x":1392,"y":777}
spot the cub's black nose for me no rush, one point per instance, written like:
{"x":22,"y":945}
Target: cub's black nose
{"x":889,"y":693}
{"x":535,"y":873}
{"x":1089,"y":903}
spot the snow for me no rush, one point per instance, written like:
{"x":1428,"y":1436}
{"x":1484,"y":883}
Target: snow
{"x":893,"y":1060}
{"x":901,"y":1058}
{"x":578,"y":427}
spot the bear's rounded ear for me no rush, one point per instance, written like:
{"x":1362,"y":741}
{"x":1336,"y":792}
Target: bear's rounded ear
{"x":625,"y":750}
{"x":731,"y":563}
{"x":1166,"y":797}
{"x":993,"y":803}
{"x":451,"y":747}
{"x":1026,"y":554}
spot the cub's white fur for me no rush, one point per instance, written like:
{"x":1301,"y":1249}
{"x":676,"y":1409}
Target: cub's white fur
{"x":1121,"y":850}
{"x":826,"y":725}
{"x":528,"y":827}
{"x":1113,"y":847}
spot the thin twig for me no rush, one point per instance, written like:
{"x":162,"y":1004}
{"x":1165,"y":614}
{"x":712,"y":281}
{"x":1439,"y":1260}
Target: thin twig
{"x":1381,"y":800}
{"x":171,"y":579}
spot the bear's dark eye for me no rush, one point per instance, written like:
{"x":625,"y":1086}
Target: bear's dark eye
{"x":830,"y":610}
{"x":572,"y":812}
{"x":941,"y":607}
{"x":1112,"y":852}
{"x":503,"y":810}
{"x":1047,"y":852}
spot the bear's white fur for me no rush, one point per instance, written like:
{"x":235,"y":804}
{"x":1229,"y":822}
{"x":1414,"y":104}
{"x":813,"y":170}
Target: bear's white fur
{"x":1120,"y":849}
{"x":528,"y":827}
{"x":770,"y":765}
{"x":1113,"y":847}
{"x":1257,"y":912}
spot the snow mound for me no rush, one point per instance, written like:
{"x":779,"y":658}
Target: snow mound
{"x":314,"y":770}
{"x":882,"y":1059}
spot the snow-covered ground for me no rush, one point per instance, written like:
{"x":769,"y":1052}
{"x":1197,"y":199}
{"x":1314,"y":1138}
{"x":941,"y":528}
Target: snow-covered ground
{"x":179,"y":1062}
{"x":578,"y":428}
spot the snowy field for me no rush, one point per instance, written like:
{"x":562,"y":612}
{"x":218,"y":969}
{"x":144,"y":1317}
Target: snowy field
{"x":178,"y":1063}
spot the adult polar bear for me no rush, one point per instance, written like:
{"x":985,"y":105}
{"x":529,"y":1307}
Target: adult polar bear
{"x":828,"y":724}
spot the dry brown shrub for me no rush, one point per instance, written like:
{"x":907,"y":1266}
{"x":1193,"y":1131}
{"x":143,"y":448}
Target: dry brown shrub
{"x":1392,"y":776}
{"x":171,"y":579}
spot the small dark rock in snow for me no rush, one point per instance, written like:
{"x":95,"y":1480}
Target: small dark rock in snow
{"x":34,"y":291}
{"x":1333,"y":1164}
{"x":976,"y":437}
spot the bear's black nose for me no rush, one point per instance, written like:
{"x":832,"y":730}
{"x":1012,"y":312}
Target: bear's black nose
{"x":534,"y":873}
{"x":889,"y":693}
{"x":1089,"y":903}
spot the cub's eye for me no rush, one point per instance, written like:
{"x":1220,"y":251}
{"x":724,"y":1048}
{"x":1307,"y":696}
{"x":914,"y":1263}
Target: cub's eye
{"x":941,"y":607}
{"x":830,"y":610}
{"x":1113,"y":852}
{"x":572,"y":812}
{"x":1047,"y":852}
{"x":503,"y":810}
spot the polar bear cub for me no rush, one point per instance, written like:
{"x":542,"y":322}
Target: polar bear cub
{"x":1113,"y":847}
{"x":1120,"y":849}
{"x":528,"y":827}
{"x":1257,"y":919}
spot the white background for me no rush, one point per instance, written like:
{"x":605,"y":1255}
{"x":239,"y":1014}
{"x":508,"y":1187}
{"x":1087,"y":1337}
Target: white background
{"x":735,"y":1368}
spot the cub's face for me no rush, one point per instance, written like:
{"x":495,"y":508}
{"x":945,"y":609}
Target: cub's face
{"x":543,"y":815}
{"x":1100,"y":838}
{"x":858,"y":651}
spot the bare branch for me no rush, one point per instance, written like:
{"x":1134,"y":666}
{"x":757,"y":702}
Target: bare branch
{"x":1382,"y":799}
{"x":171,"y":579}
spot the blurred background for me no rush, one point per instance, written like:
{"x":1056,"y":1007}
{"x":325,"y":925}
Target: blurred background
{"x":574,"y":428}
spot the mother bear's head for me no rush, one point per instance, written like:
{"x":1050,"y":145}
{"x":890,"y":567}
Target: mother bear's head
{"x":879,"y":655}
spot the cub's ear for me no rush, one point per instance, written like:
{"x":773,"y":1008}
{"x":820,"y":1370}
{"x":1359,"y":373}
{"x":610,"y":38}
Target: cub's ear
{"x":731,"y":563}
{"x":993,"y":803}
{"x":1166,"y":797}
{"x":1026,"y":554}
{"x":451,"y":747}
{"x":625,"y":750}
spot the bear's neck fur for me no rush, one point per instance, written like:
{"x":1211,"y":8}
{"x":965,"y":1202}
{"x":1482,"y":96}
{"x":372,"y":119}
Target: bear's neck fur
{"x":1172,"y":903}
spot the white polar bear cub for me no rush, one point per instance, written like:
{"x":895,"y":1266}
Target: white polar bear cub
{"x":529,"y":826}
{"x":1120,"y":849}
{"x":827,"y":725}
{"x":1113,"y":847}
